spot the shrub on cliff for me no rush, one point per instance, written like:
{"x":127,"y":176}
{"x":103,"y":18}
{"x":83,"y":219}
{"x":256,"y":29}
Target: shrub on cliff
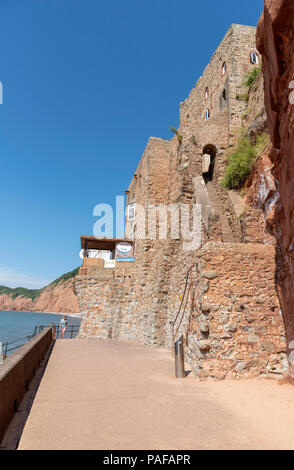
{"x":242,"y":97}
{"x":252,"y":76}
{"x":175,"y":131}
{"x":242,"y":160}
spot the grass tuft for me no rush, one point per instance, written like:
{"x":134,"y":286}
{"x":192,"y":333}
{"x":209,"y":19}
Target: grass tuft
{"x":175,"y":131}
{"x":252,"y":76}
{"x":242,"y":160}
{"x":243,"y":97}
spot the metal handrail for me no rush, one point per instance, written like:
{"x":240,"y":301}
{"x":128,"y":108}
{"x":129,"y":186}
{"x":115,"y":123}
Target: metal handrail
{"x":183,"y":302}
{"x":56,"y":331}
{"x":20,"y":341}
{"x":71,"y":330}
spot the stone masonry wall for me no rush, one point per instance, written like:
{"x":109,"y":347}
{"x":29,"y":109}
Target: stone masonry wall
{"x":232,"y":320}
{"x":237,"y":327}
{"x":107,"y":305}
{"x":228,"y":312}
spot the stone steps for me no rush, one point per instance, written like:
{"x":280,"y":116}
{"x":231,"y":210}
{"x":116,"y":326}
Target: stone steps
{"x":216,"y":205}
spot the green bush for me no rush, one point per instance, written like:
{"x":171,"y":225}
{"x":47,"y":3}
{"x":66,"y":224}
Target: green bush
{"x":245,"y":114}
{"x":175,"y":131}
{"x":243,"y":97}
{"x":252,"y":76}
{"x":242,"y":160}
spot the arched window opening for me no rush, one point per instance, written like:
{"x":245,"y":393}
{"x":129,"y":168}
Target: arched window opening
{"x":206,"y":93}
{"x":208,"y":162}
{"x":207,"y":114}
{"x":224,"y":68}
{"x":254,"y":58}
{"x":131,"y":211}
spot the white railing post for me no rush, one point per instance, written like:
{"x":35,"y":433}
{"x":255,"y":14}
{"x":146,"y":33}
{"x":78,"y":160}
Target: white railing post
{"x":1,"y":353}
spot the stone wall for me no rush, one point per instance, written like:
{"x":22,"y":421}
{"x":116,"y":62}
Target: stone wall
{"x":223,"y":292}
{"x":107,"y":305}
{"x":221,"y":129}
{"x":236,"y":328}
{"x":231,"y":317}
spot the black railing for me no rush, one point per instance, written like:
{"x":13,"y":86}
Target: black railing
{"x":17,"y":343}
{"x":177,"y":322}
{"x":71,"y":332}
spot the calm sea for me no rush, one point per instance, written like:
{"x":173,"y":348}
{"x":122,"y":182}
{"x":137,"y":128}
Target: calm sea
{"x":14,"y":325}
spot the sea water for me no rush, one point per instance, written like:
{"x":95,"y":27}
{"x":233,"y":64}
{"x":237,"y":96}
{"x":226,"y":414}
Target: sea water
{"x":15,"y":325}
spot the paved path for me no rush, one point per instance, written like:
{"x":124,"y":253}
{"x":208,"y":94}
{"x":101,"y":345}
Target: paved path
{"x":103,"y":394}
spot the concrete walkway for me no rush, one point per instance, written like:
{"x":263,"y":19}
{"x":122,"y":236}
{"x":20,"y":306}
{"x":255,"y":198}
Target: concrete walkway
{"x":103,"y":394}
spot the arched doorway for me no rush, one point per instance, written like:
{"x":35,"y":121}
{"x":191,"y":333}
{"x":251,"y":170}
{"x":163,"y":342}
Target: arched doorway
{"x":208,"y":162}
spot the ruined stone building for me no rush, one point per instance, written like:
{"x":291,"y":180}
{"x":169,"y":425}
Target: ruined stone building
{"x":221,"y":296}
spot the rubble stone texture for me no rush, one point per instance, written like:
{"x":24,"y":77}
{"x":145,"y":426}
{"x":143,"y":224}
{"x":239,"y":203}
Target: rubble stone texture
{"x":220,"y":296}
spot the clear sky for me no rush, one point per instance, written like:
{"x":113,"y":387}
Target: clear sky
{"x":85,"y":84}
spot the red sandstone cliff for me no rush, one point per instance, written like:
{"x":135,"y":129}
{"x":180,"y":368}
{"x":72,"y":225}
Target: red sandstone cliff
{"x":56,"y":298}
{"x":275,"y":41}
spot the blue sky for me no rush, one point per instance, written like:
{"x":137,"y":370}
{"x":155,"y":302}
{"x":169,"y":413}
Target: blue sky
{"x":85,"y":84}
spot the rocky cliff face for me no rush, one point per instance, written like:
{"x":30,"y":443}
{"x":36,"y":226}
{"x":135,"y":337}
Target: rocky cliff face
{"x":275,"y":41}
{"x":58,"y":297}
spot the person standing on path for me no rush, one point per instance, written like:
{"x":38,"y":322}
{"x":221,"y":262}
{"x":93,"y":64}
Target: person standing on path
{"x":63,"y":325}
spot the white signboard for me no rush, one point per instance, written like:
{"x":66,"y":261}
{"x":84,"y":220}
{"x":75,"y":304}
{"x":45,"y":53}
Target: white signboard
{"x":104,"y":254}
{"x":124,"y":247}
{"x":110,"y":263}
